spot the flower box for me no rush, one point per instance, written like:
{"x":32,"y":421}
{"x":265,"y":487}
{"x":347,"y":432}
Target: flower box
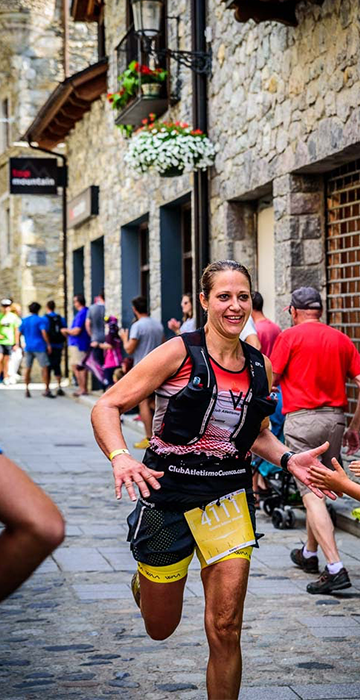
{"x":141,"y":90}
{"x":169,"y":148}
{"x":139,"y":108}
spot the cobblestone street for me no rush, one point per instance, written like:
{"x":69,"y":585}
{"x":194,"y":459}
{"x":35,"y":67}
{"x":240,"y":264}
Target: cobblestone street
{"x":73,"y":630}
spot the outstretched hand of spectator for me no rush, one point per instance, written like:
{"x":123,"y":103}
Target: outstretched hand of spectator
{"x":299,"y":465}
{"x":355,"y":467}
{"x":324,"y":478}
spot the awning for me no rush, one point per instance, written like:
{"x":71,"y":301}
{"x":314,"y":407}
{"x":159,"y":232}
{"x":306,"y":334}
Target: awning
{"x":264,"y":10}
{"x":67,"y":105}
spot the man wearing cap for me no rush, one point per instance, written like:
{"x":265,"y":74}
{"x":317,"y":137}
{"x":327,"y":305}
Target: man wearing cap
{"x":9,"y":322}
{"x":312,"y":361}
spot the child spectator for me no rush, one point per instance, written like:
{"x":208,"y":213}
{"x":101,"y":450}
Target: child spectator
{"x":112,"y":351}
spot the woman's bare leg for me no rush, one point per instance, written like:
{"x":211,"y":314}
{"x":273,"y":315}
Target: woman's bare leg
{"x":161,"y":606}
{"x":33,"y":526}
{"x":225,"y":586}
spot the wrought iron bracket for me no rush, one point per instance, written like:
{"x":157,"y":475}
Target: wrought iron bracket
{"x":198,"y":61}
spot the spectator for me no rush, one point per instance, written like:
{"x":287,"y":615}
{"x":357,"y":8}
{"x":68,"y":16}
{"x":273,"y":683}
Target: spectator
{"x":112,"y":348}
{"x":33,"y":527}
{"x":95,"y":326}
{"x":145,"y":335}
{"x":312,"y":361}
{"x":267,"y":330}
{"x":37,"y":346}
{"x":79,"y":343}
{"x":249,"y":334}
{"x":57,"y":340}
{"x":9,"y":322}
{"x":16,"y":355}
{"x":188,"y":321}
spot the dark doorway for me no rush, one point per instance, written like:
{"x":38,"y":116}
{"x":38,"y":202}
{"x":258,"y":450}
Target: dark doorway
{"x":97,"y":267}
{"x":176,"y":257}
{"x":135,"y":265}
{"x":78,"y":271}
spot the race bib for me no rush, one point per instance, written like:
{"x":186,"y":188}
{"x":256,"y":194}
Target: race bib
{"x":223,"y":527}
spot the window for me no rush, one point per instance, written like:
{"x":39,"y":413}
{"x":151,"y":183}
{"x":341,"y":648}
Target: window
{"x":4,"y":125}
{"x":7,"y":236}
{"x":343,"y":256}
{"x":5,"y":231}
{"x":186,"y":249}
{"x":144,"y":261}
{"x":36,"y":257}
{"x":266,"y":256}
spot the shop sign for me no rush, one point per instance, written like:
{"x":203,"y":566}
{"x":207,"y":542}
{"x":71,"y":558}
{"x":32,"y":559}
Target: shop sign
{"x":33,"y":175}
{"x":83,"y":206}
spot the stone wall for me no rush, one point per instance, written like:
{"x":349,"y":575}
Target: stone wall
{"x":284,"y":100}
{"x":31,"y":66}
{"x":123,"y":197}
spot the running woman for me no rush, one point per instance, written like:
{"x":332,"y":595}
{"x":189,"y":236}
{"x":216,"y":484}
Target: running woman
{"x":212,"y":407}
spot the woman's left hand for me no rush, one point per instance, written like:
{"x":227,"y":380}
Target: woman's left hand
{"x":299,"y":465}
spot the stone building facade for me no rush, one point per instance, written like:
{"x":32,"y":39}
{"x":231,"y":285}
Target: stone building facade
{"x":31,"y":65}
{"x":283,"y":109}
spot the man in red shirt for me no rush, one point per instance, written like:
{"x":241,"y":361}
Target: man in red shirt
{"x":312,"y":361}
{"x":267,"y":330}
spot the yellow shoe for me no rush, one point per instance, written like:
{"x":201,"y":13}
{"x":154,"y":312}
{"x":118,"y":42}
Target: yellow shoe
{"x":143,"y":444}
{"x":135,"y":588}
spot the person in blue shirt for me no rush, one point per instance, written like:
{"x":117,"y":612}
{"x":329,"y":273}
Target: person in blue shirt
{"x":57,"y":340}
{"x":79,"y":343}
{"x":34,"y":328}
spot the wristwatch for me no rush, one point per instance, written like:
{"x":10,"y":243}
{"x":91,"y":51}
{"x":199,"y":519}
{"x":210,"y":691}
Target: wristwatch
{"x":284,"y":460}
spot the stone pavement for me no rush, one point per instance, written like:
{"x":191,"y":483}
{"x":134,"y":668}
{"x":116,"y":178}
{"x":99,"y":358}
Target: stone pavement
{"x":73,"y":629}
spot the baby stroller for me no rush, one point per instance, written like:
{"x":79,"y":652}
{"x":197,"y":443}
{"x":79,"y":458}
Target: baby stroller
{"x":281,"y":496}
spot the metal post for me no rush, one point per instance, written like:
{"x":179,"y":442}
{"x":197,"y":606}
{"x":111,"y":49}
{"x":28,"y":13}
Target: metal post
{"x":201,"y":191}
{"x":64,"y":235}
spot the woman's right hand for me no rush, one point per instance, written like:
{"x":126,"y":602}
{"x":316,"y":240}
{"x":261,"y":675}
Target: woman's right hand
{"x":128,"y":472}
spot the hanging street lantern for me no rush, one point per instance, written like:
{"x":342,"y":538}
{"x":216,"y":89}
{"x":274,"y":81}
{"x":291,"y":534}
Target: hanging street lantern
{"x":147,"y":18}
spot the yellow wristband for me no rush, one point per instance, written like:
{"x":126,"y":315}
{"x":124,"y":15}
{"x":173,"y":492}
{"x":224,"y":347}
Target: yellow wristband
{"x":123,"y":451}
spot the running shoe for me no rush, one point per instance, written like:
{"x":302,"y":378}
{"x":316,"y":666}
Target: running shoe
{"x":27,"y":394}
{"x":310,"y":566}
{"x":60,"y":392}
{"x":135,"y":588}
{"x":330,"y":583}
{"x":143,"y":444}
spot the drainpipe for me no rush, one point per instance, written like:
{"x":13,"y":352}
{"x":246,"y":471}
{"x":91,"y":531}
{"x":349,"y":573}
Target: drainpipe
{"x":64,"y":235}
{"x":200,"y":121}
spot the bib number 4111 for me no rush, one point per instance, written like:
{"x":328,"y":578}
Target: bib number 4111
{"x":212,"y":510}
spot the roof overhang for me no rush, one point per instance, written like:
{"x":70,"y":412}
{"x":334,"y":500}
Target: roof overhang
{"x":67,"y":105}
{"x":264,"y":10}
{"x":86,"y":10}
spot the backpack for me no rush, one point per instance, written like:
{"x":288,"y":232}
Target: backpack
{"x":54,"y":332}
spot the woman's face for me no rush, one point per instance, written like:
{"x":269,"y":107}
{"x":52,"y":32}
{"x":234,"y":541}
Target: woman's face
{"x":229,"y":305}
{"x":186,"y":305}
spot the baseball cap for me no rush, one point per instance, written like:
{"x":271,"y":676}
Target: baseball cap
{"x":306,"y":298}
{"x":6,"y":302}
